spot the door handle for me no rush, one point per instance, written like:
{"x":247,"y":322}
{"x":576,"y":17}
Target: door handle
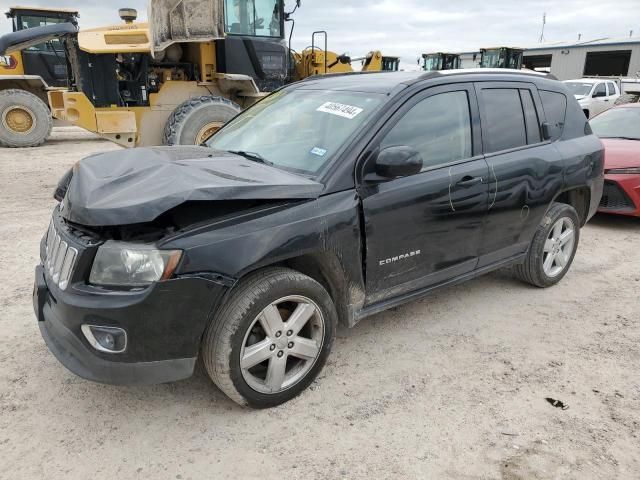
{"x":468,"y":181}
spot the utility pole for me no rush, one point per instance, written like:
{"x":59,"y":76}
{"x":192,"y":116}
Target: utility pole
{"x":544,"y":22}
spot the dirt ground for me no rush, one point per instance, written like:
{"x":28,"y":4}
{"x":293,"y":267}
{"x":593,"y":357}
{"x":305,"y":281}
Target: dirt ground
{"x":452,"y":386}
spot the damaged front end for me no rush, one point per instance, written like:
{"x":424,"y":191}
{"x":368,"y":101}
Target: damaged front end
{"x":119,"y":295}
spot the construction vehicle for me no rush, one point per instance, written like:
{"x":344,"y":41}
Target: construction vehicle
{"x":319,"y":61}
{"x":178,"y":78}
{"x":432,"y":62}
{"x":501,"y":57}
{"x":25,"y":77}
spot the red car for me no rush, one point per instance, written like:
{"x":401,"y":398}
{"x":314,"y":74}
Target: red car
{"x":619,"y":130}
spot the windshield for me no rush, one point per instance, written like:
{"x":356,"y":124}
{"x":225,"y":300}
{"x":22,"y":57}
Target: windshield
{"x":257,"y":18}
{"x":617,"y":123}
{"x":432,"y":63}
{"x":299,"y":130}
{"x":579,"y":88}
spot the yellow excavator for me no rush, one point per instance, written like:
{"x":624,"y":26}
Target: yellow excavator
{"x":27,"y":75}
{"x":178,"y":78}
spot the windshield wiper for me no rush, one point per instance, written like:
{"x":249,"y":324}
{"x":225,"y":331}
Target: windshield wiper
{"x":253,"y":156}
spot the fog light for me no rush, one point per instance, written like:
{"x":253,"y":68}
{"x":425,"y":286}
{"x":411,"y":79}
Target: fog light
{"x":106,"y":339}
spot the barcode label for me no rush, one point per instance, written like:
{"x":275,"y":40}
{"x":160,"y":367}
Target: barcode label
{"x":340,"y":109}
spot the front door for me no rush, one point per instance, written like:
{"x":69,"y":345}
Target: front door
{"x":424,"y":229}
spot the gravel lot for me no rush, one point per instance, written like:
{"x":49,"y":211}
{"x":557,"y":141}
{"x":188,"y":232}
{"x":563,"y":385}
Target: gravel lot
{"x":452,"y":386}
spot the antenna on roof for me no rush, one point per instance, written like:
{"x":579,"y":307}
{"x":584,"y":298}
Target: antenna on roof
{"x":630,"y":33}
{"x":544,"y":22}
{"x":579,"y":36}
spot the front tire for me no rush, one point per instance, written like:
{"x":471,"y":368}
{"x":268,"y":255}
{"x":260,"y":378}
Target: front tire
{"x":271,"y":337}
{"x":25,"y":120}
{"x":553,"y":247}
{"x":195,"y":120}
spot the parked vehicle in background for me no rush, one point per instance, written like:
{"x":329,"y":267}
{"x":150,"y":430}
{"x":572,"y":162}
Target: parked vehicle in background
{"x":619,"y":130}
{"x":330,"y":200}
{"x":501,"y":57}
{"x":432,"y":62}
{"x":27,"y":75}
{"x":594,"y":95}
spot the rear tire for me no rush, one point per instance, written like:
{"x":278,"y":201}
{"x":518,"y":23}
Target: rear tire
{"x":195,"y":120}
{"x":552,"y":249}
{"x":25,"y":120}
{"x":257,"y":350}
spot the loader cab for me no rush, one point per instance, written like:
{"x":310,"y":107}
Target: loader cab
{"x":46,"y":60}
{"x":501,"y":57}
{"x":254,"y":42}
{"x":432,"y":62}
{"x":390,"y":64}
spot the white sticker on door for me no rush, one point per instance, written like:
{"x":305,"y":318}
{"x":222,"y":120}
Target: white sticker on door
{"x":340,"y":109}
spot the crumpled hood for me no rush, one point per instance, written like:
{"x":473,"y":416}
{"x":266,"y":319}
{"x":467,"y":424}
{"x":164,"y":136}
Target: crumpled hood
{"x":137,"y":185}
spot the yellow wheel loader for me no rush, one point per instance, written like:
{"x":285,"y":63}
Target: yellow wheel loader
{"x":178,"y":78}
{"x":27,"y":75}
{"x":501,"y":57}
{"x":432,"y":62}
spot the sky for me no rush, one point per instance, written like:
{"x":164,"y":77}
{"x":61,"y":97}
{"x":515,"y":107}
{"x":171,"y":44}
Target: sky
{"x":407,"y":28}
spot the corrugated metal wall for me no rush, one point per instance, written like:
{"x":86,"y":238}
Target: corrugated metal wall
{"x":568,"y":63}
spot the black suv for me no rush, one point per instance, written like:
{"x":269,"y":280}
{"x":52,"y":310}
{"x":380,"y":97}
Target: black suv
{"x":330,"y":200}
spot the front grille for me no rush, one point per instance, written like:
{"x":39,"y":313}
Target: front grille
{"x":615,"y":198}
{"x":60,"y":258}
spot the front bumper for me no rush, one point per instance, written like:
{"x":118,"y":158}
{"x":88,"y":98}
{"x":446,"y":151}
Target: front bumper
{"x":621,"y":194}
{"x":164,"y":325}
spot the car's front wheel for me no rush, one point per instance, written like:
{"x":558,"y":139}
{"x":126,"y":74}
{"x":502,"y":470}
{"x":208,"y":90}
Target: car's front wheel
{"x":553,"y":247}
{"x":271,"y":337}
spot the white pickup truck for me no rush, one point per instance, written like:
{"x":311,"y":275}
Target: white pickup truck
{"x":595,"y":95}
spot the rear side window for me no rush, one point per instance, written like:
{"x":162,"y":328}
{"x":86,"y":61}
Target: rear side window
{"x":612,"y":88}
{"x":555,"y":109}
{"x":505,"y":125}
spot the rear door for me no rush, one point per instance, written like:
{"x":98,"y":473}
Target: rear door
{"x":524,"y":170}
{"x":426,"y":228}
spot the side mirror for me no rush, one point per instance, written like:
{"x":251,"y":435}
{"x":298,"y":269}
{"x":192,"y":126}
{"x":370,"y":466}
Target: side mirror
{"x":546,"y":131}
{"x":298,"y":3}
{"x":400,"y":161}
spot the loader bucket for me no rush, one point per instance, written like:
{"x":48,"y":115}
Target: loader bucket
{"x":172,"y":21}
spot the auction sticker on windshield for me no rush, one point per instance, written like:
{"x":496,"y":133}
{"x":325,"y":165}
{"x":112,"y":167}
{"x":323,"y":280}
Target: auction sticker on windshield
{"x":340,"y":109}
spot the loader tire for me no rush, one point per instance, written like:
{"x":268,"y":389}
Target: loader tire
{"x":195,"y":120}
{"x":25,"y":120}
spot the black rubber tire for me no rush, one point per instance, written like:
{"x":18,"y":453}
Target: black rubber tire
{"x":222,"y":340}
{"x":531,"y":271}
{"x":41,"y":114}
{"x":190,"y":117}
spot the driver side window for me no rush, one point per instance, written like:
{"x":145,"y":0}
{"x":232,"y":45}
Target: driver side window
{"x":438,"y":127}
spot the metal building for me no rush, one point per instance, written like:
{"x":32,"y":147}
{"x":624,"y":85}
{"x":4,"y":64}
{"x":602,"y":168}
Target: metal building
{"x":618,"y":57}
{"x":606,"y":57}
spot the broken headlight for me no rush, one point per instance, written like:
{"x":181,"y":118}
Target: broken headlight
{"x":130,"y":264}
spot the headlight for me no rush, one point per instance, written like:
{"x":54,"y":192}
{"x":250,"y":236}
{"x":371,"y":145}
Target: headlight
{"x":130,"y":264}
{"x":630,"y":170}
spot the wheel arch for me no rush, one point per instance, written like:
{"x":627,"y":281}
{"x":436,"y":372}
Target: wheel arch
{"x":326,"y":268}
{"x":29,"y":83}
{"x":579,"y":198}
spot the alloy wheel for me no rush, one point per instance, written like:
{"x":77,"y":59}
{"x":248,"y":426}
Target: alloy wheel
{"x":282,"y":344}
{"x":558,"y":247}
